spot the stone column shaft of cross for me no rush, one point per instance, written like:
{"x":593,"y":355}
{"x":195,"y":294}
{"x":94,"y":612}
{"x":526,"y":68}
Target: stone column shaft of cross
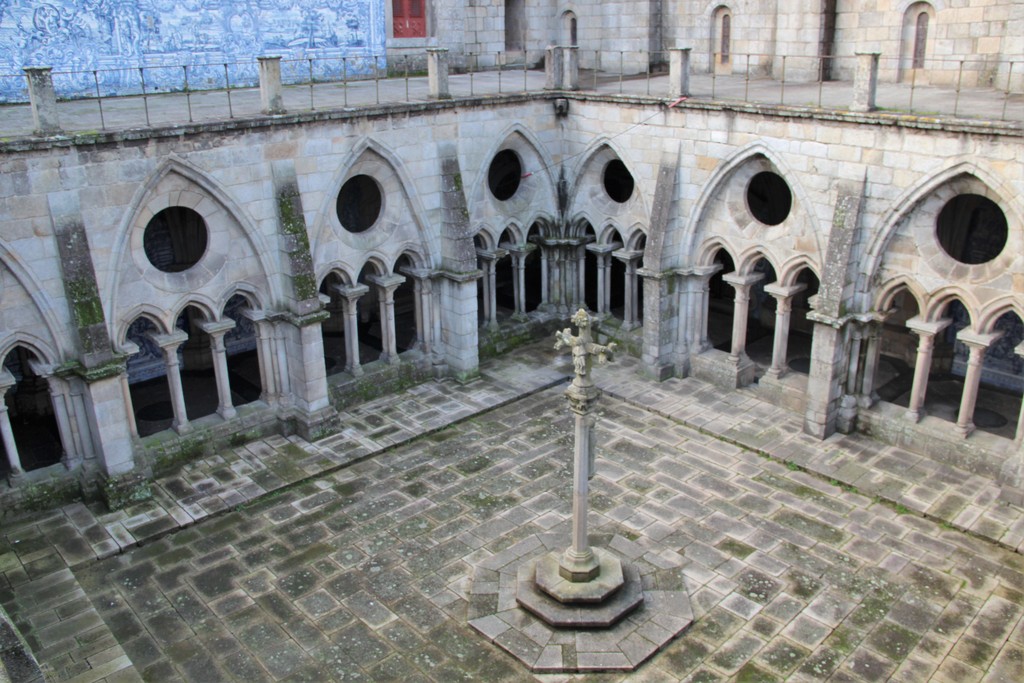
{"x":579,"y":563}
{"x":579,"y":554}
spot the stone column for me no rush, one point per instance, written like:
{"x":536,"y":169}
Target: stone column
{"x":424,"y":289}
{"x":571,"y":68}
{"x":742,"y":285}
{"x":169,"y":344}
{"x":6,"y":432}
{"x":265,"y":355}
{"x":601,"y":252}
{"x":126,"y":390}
{"x":350,"y":295}
{"x":630,"y":258}
{"x":437,"y":73}
{"x":926,"y":332}
{"x":679,"y":72}
{"x":977,"y":345}
{"x":518,"y":254}
{"x":554,"y":67}
{"x":489,"y":259}
{"x":872,"y":355}
{"x":700,"y":309}
{"x":58,"y":400}
{"x":783,"y":309}
{"x":865,"y":82}
{"x":217,"y":330}
{"x":271,"y":99}
{"x":387,"y":284}
{"x":43,"y":101}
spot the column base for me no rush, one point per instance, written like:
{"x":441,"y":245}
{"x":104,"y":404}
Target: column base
{"x":964,"y":430}
{"x":913,"y":415}
{"x":227,"y":413}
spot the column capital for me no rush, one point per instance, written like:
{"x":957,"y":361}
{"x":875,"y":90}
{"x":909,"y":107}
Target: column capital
{"x":169,"y":342}
{"x":350,"y":292}
{"x":737,"y":280}
{"x":389,"y":283}
{"x":217,"y":327}
{"x":927,"y":328}
{"x":784,"y":291}
{"x":628,"y":255}
{"x":491,"y":255}
{"x":974,"y":340}
{"x":601,"y":249}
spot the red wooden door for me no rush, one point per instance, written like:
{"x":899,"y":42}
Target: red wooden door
{"x":410,"y":19}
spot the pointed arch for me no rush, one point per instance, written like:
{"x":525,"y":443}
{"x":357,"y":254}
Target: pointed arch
{"x":790,"y":269}
{"x":990,"y":185}
{"x":749,"y":257}
{"x":242,"y":289}
{"x":33,"y":289}
{"x":151,"y":313}
{"x":996,"y":309}
{"x":607,"y":147}
{"x":39,"y":347}
{"x":936,"y":304}
{"x":328,"y":237}
{"x":145,"y":204}
{"x":721,"y":176}
{"x":888,"y":292}
{"x":537,"y":194}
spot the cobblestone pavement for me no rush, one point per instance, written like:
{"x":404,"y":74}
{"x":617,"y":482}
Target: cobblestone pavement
{"x":351,"y":558}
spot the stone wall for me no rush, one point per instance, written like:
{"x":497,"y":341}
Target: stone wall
{"x":691,"y":167}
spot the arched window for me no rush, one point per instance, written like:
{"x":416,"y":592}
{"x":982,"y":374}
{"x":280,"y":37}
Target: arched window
{"x":920,"y":39}
{"x":721,"y":36}
{"x":409,"y":18}
{"x":725,"y":38}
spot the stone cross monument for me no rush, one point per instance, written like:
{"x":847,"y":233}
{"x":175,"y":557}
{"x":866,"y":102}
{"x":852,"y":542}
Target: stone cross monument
{"x":579,"y":564}
{"x":582,"y":587}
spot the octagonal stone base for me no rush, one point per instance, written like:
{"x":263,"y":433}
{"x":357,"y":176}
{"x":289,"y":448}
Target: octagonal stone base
{"x":551,"y":579}
{"x":496,"y":615}
{"x":623,"y":599}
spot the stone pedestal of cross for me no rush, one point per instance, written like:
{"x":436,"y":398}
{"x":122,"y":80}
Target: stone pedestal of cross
{"x":582,"y":586}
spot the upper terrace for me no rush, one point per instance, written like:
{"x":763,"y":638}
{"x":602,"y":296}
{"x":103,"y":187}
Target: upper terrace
{"x":944,"y":92}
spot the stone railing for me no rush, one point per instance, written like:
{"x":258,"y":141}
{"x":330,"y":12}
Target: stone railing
{"x":860,"y":83}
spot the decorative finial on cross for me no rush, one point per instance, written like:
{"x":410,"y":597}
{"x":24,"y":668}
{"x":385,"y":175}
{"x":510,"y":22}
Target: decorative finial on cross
{"x":584,"y":350}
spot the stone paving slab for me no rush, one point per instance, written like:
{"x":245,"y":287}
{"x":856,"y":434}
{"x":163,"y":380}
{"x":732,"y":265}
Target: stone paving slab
{"x":358,"y":552}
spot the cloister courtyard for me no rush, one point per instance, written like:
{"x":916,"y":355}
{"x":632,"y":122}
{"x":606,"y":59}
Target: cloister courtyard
{"x":354,"y":558}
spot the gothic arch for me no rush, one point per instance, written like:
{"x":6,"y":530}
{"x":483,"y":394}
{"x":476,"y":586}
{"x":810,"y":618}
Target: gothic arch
{"x":936,"y":304}
{"x":242,"y":289}
{"x":201,"y":304}
{"x":331,"y":242}
{"x":718,"y":182}
{"x":532,"y":197}
{"x":39,"y":347}
{"x":588,"y":172}
{"x":886,"y":294}
{"x":146,"y":203}
{"x":789,"y":270}
{"x":32,"y":289}
{"x":967,"y":171}
{"x":749,"y":258}
{"x":990,"y":315}
{"x":149,"y":312}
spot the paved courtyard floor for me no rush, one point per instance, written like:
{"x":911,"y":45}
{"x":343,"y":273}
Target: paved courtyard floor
{"x":352,"y":558}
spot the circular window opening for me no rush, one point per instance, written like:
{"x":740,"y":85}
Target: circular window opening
{"x":972,"y":229}
{"x":175,"y":239}
{"x":359,"y":203}
{"x":769,"y":198}
{"x":618,"y":181}
{"x":504,"y":175}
